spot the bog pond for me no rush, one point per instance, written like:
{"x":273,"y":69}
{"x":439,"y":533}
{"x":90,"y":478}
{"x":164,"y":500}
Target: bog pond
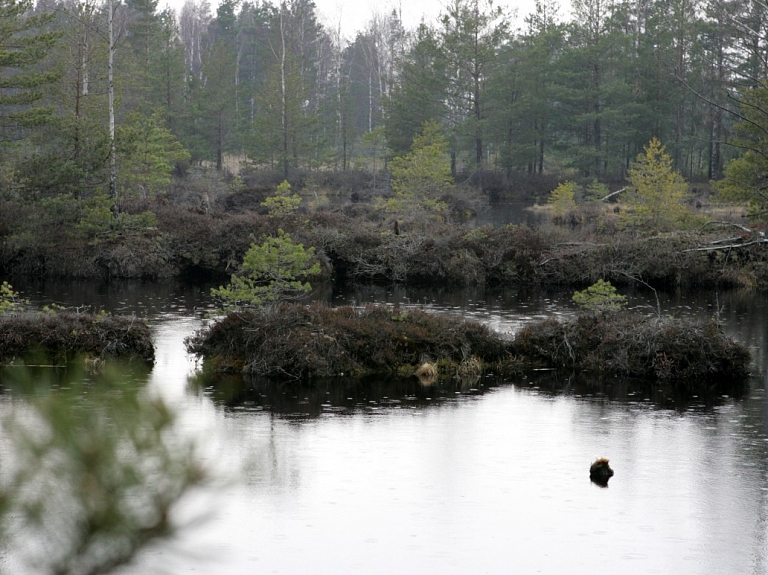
{"x":490,"y":477}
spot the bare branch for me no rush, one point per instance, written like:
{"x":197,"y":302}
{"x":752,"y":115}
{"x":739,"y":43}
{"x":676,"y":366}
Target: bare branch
{"x":720,"y":223}
{"x":761,"y":240}
{"x":613,"y":194}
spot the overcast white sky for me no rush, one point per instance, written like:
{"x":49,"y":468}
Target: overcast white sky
{"x":353,"y":15}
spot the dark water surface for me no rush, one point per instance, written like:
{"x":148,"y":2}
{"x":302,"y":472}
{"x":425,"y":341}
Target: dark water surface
{"x":490,"y":477}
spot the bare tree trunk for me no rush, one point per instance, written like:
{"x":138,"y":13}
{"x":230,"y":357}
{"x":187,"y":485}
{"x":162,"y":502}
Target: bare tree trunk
{"x":219,"y":141}
{"x":478,"y":109}
{"x":541,"y":154}
{"x":598,"y":136}
{"x":283,"y":99}
{"x":112,"y":145}
{"x":370,"y":100}
{"x":81,"y":89}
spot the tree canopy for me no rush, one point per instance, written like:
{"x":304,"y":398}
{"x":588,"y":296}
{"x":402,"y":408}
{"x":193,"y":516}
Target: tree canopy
{"x":267,"y":84}
{"x":272,"y":271}
{"x":25,"y":41}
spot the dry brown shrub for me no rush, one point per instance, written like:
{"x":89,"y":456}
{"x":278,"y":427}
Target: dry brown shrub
{"x":62,"y":336}
{"x":682,"y":353}
{"x":318,"y":341}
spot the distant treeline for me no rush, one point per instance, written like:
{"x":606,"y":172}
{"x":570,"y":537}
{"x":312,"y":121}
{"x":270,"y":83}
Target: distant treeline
{"x":268,"y":84}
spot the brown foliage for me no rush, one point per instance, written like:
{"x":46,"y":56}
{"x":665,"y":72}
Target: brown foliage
{"x":62,"y":336}
{"x":307,"y":342}
{"x":686,"y":355}
{"x":360,"y":244}
{"x":318,"y":341}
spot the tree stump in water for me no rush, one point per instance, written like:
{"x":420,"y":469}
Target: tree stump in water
{"x":600,"y":472}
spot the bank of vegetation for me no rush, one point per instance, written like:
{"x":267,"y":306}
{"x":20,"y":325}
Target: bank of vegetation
{"x":260,"y":334}
{"x":416,"y":232}
{"x":62,"y":337}
{"x":686,"y":356}
{"x":57,"y":336}
{"x":358,"y":243}
{"x":305,"y":342}
{"x":308,"y":343}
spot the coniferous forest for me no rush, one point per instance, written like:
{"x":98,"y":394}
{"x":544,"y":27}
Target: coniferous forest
{"x":111,"y":110}
{"x":265,"y":83}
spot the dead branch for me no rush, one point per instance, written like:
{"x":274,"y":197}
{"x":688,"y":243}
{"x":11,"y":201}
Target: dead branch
{"x":580,"y":247}
{"x":760,"y":240}
{"x":613,"y":194}
{"x":720,"y":223}
{"x":724,"y":240}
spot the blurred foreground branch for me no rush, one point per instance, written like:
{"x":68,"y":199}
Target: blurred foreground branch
{"x":93,"y":471}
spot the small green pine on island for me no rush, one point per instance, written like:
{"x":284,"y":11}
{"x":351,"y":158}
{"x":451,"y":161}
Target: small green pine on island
{"x":272,"y":271}
{"x":660,"y":192}
{"x":562,"y":198}
{"x":423,"y":175}
{"x":600,"y":297}
{"x":283,"y":202}
{"x":10,"y":301}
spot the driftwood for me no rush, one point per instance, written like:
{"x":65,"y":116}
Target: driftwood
{"x":733,"y":242}
{"x":728,"y":246}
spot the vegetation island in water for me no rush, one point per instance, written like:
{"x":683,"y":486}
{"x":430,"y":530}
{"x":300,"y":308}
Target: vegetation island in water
{"x":256,"y":148}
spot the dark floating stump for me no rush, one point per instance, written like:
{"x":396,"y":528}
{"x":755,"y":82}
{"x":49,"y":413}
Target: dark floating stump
{"x":600,"y":472}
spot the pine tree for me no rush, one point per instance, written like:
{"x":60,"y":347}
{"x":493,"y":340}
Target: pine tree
{"x":420,"y":177}
{"x":563,"y":198}
{"x":660,"y":191}
{"x":71,"y":150}
{"x":273,"y":271}
{"x":216,"y":99}
{"x":147,"y":152}
{"x":24,"y":42}
{"x":472,"y":33}
{"x":746,"y":177}
{"x":418,"y":96}
{"x":522,"y":95}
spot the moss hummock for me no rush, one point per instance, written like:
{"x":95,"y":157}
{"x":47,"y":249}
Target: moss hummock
{"x":317,"y":341}
{"x":63,"y":336}
{"x":686,"y":355}
{"x":299,"y":342}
